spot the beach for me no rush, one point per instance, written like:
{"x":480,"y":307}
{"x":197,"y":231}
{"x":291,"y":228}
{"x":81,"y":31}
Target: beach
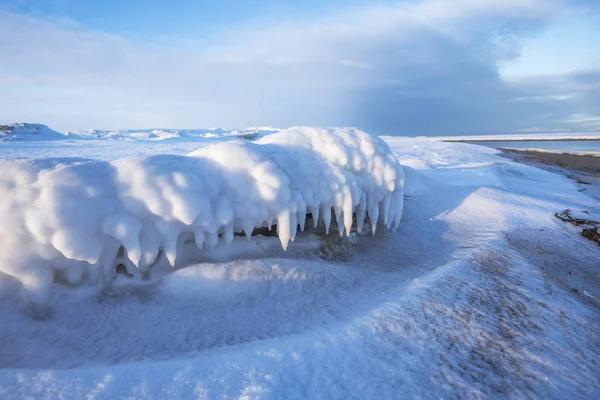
{"x":584,"y":169}
{"x":587,"y":163}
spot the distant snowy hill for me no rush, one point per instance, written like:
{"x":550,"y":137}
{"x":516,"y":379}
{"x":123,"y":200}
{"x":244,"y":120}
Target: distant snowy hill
{"x":24,"y":131}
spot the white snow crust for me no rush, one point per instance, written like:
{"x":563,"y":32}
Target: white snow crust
{"x":75,"y":220}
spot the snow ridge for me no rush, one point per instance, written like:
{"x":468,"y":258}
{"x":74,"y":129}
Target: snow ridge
{"x":75,"y":220}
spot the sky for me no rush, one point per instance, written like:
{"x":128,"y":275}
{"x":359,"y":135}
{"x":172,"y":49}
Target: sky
{"x":416,"y":67}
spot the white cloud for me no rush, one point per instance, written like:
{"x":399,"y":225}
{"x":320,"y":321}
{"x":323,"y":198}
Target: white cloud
{"x":426,"y":67}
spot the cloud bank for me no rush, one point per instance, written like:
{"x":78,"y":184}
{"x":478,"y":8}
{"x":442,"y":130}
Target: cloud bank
{"x":419,"y":68}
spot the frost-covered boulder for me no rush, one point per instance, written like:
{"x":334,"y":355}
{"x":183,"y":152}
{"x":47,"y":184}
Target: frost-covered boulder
{"x":23,"y":131}
{"x":74,"y":221}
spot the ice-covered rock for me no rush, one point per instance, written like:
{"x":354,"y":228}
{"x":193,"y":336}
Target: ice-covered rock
{"x":23,"y":131}
{"x":75,"y":220}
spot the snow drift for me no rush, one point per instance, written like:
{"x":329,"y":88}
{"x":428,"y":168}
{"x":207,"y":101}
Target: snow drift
{"x":75,"y":220}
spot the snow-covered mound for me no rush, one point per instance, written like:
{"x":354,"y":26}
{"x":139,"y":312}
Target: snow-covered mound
{"x":23,"y":131}
{"x":76,"y":220}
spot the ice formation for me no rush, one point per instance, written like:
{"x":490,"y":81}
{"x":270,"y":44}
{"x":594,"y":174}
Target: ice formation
{"x":75,"y":220}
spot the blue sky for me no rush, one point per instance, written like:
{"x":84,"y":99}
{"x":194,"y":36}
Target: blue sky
{"x":419,"y":67}
{"x":143,"y":18}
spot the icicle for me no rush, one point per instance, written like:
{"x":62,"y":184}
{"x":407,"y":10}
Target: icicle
{"x":315,"y":216}
{"x":170,"y":250}
{"x":342,"y":226}
{"x":337,"y":212}
{"x":302,"y":219}
{"x":248,"y":228}
{"x":134,"y":253}
{"x":228,"y":233}
{"x":126,"y":229}
{"x":150,"y":240}
{"x":283,"y":228}
{"x":301,"y":213}
{"x":360,"y":214}
{"x":391,"y":215}
{"x":339,"y":221}
{"x":373,"y":214}
{"x":326,"y":211}
{"x":399,"y":207}
{"x":293,"y":226}
{"x":199,"y":238}
{"x":270,"y":223}
{"x":386,"y":206}
{"x":347,"y":213}
{"x":169,"y":233}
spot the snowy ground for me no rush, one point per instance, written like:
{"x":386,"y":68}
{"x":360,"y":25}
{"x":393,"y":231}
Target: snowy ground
{"x":481,"y":292}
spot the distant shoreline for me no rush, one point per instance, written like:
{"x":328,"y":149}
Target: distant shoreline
{"x":521,"y":140}
{"x":584,"y":169}
{"x":587,"y":164}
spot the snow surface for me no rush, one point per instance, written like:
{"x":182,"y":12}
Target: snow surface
{"x":481,"y":292}
{"x":76,"y":220}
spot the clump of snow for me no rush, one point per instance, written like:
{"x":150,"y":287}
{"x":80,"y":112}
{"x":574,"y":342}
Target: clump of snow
{"x":75,"y":221}
{"x":23,"y":131}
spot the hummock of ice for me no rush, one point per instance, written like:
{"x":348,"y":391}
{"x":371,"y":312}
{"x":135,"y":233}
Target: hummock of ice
{"x":75,"y":220}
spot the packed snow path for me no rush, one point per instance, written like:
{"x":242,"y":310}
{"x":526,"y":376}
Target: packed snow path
{"x":481,"y":292}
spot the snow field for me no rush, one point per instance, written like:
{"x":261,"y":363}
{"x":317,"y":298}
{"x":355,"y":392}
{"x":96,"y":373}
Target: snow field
{"x":464,"y":299}
{"x":76,"y":220}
